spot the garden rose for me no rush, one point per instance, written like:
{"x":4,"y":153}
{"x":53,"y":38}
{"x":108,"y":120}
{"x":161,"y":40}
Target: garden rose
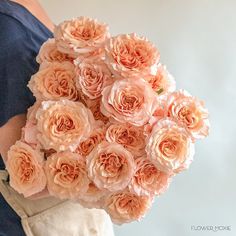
{"x":129,"y":101}
{"x":110,"y":166}
{"x":148,"y":180}
{"x":124,"y":207}
{"x":25,"y":166}
{"x":128,"y":136}
{"x":94,"y":106}
{"x":96,"y":137}
{"x":63,"y":124}
{"x":162,"y":82}
{"x":128,"y":55}
{"x":29,"y":134}
{"x":92,"y":77}
{"x":49,"y":53}
{"x":189,"y":112}
{"x":170,"y":147}
{"x":66,"y":175}
{"x":93,"y":198}
{"x":55,"y":81}
{"x":81,"y":37}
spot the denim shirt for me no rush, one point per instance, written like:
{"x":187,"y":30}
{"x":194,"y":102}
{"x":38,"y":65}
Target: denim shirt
{"x":21,"y":36}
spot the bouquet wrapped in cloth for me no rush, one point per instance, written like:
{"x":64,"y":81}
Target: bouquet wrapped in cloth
{"x":108,"y":129}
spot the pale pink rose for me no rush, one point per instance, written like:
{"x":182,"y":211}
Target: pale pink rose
{"x":162,"y":82}
{"x":158,"y":114}
{"x":95,"y":107}
{"x":110,"y":166}
{"x":125,"y":207}
{"x":29,"y":134}
{"x":96,"y":137}
{"x":62,"y":125}
{"x":128,"y":136}
{"x":148,"y":180}
{"x":189,"y":112}
{"x":49,"y":53}
{"x":54,"y":81}
{"x":93,"y":198}
{"x":81,"y":37}
{"x":170,"y":147}
{"x":92,"y":77}
{"x":129,"y":101}
{"x":29,"y":131}
{"x":129,"y":55}
{"x":66,"y":174}
{"x":25,"y":167}
{"x":31,"y":112}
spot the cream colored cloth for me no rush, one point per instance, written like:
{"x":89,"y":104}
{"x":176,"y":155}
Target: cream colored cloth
{"x":53,"y":217}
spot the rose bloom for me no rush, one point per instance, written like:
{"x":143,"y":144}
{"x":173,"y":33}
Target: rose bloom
{"x":128,"y":136}
{"x":93,"y":198}
{"x":25,"y":167}
{"x":189,"y":112}
{"x":49,"y":53}
{"x":148,"y":180}
{"x":129,"y":101}
{"x":94,"y":106}
{"x":125,"y":207}
{"x":92,"y":77}
{"x":170,"y":147}
{"x":29,"y":131}
{"x":81,"y":37}
{"x":110,"y":166}
{"x":29,"y":134}
{"x":128,"y":55}
{"x":62,"y":125}
{"x":158,"y":114}
{"x":162,"y":82}
{"x":66,"y":175}
{"x":96,"y":137}
{"x":54,"y":81}
{"x":31,"y":112}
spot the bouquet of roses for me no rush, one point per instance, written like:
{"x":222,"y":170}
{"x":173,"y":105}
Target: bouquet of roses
{"x":108,"y":128}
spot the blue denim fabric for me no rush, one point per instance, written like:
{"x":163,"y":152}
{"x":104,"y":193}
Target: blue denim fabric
{"x":21,"y":35}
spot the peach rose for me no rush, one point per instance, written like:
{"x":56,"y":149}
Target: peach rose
{"x":148,"y":180}
{"x":66,"y":175}
{"x":94,"y":106}
{"x":128,"y":136}
{"x":128,"y":55}
{"x":93,"y":198}
{"x":162,"y":82}
{"x":31,"y":112}
{"x":54,"y":81}
{"x":49,"y":53}
{"x":189,"y":112}
{"x":96,"y":137}
{"x":131,"y":101}
{"x":62,"y":125}
{"x":110,"y":166}
{"x":158,"y":114}
{"x":92,"y":77}
{"x":81,"y":37}
{"x":170,"y":147}
{"x":25,"y":167}
{"x":125,"y":207}
{"x":29,"y":131}
{"x":29,"y":134}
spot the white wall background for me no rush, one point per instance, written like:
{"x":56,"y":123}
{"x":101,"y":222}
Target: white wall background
{"x":197,"y":41}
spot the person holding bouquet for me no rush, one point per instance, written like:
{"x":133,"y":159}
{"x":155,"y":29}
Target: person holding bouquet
{"x":24,"y":28}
